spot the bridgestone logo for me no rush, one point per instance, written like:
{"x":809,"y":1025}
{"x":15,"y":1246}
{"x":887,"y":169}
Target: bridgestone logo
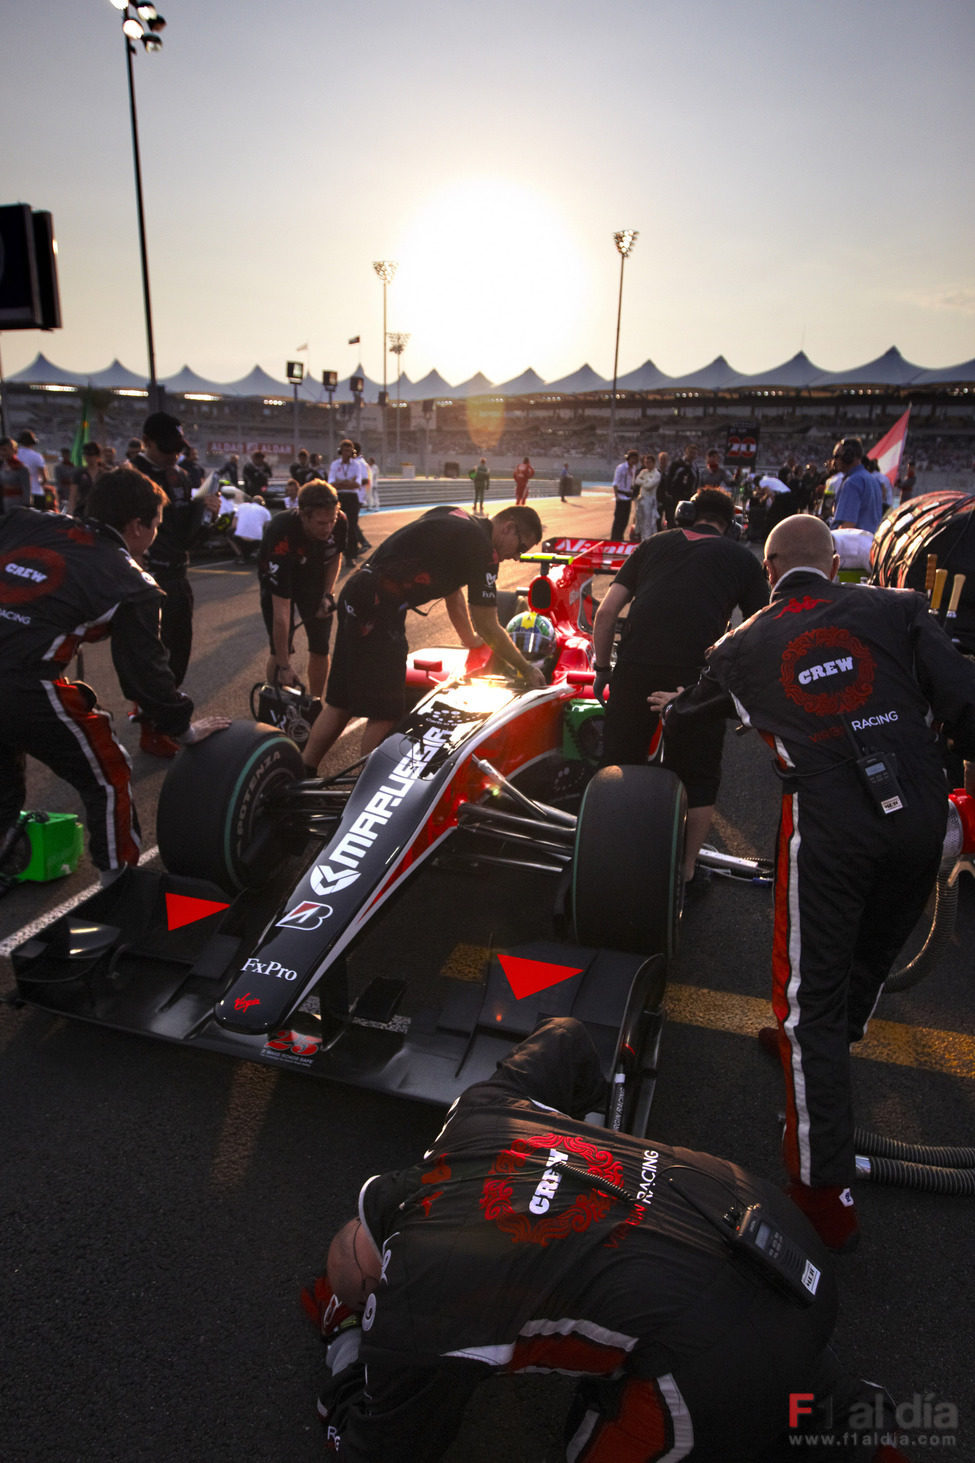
{"x":342,"y":868}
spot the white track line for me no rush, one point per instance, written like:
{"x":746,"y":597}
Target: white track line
{"x":26,"y":932}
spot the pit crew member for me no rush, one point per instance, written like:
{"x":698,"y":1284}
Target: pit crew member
{"x":528,"y":1239}
{"x":841,"y":681}
{"x":168,"y":557}
{"x":684,"y":584}
{"x":67,"y":580}
{"x":297,"y":565}
{"x":431,"y":558}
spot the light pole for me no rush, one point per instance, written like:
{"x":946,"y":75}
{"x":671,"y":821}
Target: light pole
{"x":625,"y":239}
{"x":398,"y":341}
{"x":141,"y":22}
{"x":386,"y":269}
{"x":296,"y":374}
{"x":330,"y":379}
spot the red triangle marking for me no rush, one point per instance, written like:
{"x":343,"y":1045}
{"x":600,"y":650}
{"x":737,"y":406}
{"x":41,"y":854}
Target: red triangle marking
{"x":528,"y":977}
{"x":183,"y":909}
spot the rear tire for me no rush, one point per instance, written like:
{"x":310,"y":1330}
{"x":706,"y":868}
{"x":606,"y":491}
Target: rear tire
{"x":627,"y":862}
{"x":213,"y":820}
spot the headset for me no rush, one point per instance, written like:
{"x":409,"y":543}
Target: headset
{"x":688,"y":511}
{"x":847,"y":451}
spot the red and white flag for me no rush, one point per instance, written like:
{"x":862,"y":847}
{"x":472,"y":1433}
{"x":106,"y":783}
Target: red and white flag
{"x":889,"y":449}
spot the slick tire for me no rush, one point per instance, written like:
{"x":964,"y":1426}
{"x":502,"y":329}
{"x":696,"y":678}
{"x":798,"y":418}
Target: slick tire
{"x":213,"y":821}
{"x":627,"y":861}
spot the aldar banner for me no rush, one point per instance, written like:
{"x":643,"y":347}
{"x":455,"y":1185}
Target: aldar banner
{"x":741,"y":447}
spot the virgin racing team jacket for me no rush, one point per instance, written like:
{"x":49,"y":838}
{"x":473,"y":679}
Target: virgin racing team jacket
{"x":68,"y":580}
{"x":827,"y":671}
{"x":527,"y":1239}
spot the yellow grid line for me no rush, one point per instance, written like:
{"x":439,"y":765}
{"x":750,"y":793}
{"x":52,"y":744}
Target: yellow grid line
{"x":886,"y":1041}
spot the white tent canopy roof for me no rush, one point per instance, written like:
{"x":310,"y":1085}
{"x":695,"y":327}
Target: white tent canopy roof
{"x":798,"y":374}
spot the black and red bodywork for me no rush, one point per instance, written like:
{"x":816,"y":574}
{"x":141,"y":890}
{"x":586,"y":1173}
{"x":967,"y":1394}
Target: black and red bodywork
{"x":265,"y":974}
{"x":563,"y":590}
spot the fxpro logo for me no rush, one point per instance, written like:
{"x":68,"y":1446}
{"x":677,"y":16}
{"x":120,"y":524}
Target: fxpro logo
{"x":356,"y":842}
{"x":269,"y":967}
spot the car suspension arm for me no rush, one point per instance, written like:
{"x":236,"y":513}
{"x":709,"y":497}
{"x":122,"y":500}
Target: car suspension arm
{"x":541,"y":811}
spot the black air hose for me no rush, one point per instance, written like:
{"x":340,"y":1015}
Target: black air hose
{"x":939,"y":1155}
{"x":940,"y":936}
{"x":955,"y":1181}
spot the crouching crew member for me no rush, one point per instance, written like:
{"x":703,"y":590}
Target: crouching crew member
{"x":529,"y":1240}
{"x":842,"y":682}
{"x":67,"y":580}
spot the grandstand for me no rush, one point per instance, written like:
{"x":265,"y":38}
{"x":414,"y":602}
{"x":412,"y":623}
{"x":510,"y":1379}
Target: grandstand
{"x":796,"y":407}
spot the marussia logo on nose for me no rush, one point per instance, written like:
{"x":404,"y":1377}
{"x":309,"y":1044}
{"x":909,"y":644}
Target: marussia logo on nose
{"x":357,"y":840}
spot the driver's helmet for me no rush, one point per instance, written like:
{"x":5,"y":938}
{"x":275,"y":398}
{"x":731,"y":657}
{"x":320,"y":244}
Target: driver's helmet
{"x":533,"y":634}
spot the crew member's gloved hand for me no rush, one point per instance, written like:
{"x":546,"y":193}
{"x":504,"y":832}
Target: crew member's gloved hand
{"x":325,"y":1309}
{"x":600,"y":685}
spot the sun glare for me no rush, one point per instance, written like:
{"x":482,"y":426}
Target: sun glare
{"x":488,"y":274}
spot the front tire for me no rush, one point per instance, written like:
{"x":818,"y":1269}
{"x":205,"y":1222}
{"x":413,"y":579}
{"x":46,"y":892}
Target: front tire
{"x":627,"y":861}
{"x":213,"y":821}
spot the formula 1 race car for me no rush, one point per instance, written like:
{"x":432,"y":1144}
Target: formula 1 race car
{"x":399,"y":925}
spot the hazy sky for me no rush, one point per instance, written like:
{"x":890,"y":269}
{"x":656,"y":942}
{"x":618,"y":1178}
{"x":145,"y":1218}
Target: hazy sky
{"x":799,"y":172}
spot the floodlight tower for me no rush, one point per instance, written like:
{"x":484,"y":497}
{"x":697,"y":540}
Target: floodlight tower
{"x":624,"y":239}
{"x":142,"y":23}
{"x":398,"y":341}
{"x":386,"y":269}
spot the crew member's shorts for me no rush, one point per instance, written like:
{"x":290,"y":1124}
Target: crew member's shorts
{"x":317,"y":628}
{"x":368,"y":675}
{"x":630,"y":725}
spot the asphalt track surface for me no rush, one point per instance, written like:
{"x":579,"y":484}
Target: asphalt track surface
{"x":161,"y":1208}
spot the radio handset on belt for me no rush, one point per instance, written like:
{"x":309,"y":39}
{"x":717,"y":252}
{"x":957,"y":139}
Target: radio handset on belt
{"x":877,"y":772}
{"x":752,"y":1233}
